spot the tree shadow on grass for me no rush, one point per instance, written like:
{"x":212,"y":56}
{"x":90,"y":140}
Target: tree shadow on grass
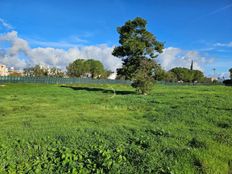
{"x":110,"y":91}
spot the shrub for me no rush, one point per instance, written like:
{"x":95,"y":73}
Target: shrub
{"x":227,"y":82}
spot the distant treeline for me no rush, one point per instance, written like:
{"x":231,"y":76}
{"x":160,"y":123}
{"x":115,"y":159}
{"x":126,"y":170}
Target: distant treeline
{"x":90,"y":68}
{"x":178,"y":74}
{"x":79,"y":68}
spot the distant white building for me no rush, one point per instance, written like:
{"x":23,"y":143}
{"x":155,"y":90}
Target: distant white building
{"x":213,"y":79}
{"x":3,"y":70}
{"x":112,"y":76}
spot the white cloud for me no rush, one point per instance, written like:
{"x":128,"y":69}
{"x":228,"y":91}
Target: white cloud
{"x":224,"y":75}
{"x":5,"y":24}
{"x":61,"y":58}
{"x":59,"y":44}
{"x":17,"y":44}
{"x":176,"y":57}
{"x":220,"y":9}
{"x":70,"y":42}
{"x":20,"y":54}
{"x":229,"y":44}
{"x":12,"y":61}
{"x":10,"y":56}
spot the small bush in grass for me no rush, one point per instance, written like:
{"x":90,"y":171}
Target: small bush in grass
{"x":223,"y":125}
{"x":199,"y":166}
{"x":195,"y":143}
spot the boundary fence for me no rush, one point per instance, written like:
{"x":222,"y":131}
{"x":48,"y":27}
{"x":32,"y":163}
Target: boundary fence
{"x":188,"y":83}
{"x":60,"y":80}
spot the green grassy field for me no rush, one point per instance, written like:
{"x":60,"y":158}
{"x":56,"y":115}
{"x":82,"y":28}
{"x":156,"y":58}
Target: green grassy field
{"x":88,"y":129}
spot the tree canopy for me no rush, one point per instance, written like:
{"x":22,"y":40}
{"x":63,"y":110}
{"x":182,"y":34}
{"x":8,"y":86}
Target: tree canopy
{"x":76,"y":68}
{"x":187,"y":75}
{"x":137,"y":49}
{"x":230,"y":70}
{"x":87,"y":68}
{"x":95,"y":68}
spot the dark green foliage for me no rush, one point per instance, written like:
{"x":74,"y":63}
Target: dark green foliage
{"x":136,"y":51}
{"x":224,"y":125}
{"x":230,"y":70}
{"x":199,"y":166}
{"x":187,"y":75}
{"x":95,"y":68}
{"x":191,"y":67}
{"x":197,"y":76}
{"x":162,"y":75}
{"x":230,"y":167}
{"x":143,"y":79}
{"x":228,"y":82}
{"x":76,"y":68}
{"x":195,"y":143}
{"x":87,"y":68}
{"x":136,"y":41}
{"x":159,"y":73}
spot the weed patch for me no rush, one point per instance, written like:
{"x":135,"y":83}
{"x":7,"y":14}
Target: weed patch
{"x":195,"y":143}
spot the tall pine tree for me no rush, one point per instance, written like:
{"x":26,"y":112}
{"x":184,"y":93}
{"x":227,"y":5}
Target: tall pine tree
{"x":137,"y":49}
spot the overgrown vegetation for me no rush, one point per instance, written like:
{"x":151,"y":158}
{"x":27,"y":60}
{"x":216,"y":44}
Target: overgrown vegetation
{"x":88,"y":129}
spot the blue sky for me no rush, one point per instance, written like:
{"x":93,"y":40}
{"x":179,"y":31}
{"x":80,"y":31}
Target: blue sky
{"x":202,"y":27}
